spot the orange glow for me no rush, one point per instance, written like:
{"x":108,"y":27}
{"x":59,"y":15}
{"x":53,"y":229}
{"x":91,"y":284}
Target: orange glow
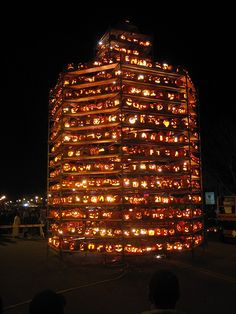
{"x":124,"y":165}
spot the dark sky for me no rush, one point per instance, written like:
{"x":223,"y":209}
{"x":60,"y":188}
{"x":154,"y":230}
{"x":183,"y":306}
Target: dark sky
{"x":38,"y":43}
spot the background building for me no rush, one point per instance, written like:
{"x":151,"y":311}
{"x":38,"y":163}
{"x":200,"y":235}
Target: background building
{"x":124,"y":152}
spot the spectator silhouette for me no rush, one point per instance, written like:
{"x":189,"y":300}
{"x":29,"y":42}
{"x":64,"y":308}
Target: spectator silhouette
{"x":15,"y":226}
{"x":47,"y":302}
{"x":164,"y":292}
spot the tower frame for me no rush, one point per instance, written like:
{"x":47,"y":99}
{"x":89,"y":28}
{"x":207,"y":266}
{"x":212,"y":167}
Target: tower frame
{"x":124,"y":169}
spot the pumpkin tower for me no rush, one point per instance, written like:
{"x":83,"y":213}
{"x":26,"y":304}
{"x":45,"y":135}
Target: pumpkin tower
{"x":124,"y":170}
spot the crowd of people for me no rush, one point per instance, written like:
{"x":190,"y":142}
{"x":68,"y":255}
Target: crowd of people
{"x":17,"y":216}
{"x":27,"y":215}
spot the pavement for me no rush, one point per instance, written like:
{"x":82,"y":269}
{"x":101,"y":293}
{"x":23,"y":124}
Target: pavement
{"x":92,"y":284}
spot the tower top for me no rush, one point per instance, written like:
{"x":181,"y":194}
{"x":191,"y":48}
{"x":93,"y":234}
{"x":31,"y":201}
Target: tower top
{"x":124,"y":37}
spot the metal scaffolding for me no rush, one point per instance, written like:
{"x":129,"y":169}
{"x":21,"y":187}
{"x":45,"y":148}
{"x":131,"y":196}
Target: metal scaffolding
{"x":124,"y":173}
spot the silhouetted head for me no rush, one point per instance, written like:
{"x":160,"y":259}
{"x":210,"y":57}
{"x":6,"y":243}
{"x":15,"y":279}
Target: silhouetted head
{"x":164,"y":289}
{"x":47,"y":302}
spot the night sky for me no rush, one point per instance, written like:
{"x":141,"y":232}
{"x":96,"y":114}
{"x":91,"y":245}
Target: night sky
{"x":37,"y":45}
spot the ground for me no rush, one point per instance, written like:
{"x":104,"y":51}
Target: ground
{"x":208,"y":279}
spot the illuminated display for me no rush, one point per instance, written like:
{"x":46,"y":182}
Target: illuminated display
{"x":124,"y":153}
